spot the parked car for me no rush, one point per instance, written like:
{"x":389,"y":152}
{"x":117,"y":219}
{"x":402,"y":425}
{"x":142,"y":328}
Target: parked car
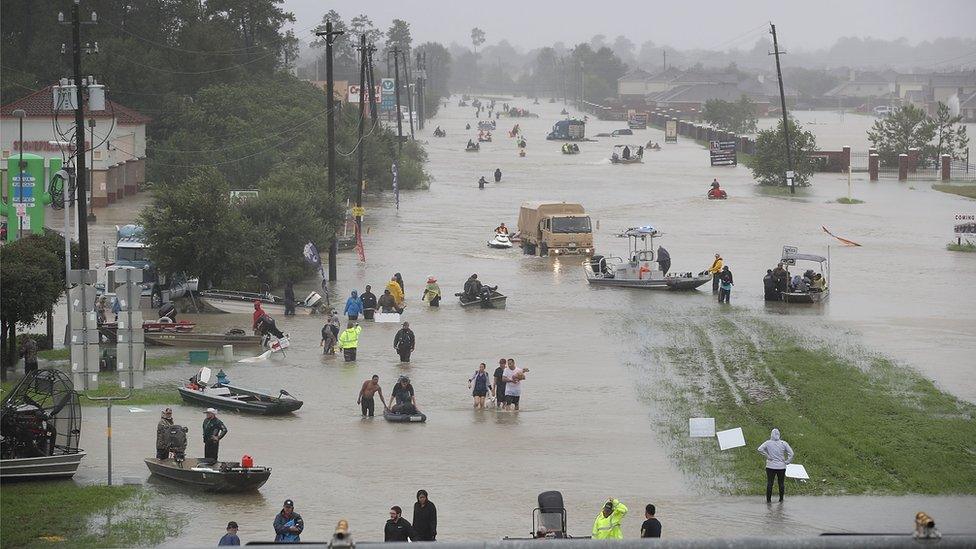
{"x":883,"y":110}
{"x":625,"y":131}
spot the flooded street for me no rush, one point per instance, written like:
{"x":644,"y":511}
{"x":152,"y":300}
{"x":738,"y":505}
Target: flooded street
{"x":586,"y":427}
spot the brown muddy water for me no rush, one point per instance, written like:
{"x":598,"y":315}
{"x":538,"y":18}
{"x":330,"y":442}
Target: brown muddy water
{"x":584,"y":429}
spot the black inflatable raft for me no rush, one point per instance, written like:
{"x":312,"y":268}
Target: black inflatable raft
{"x":405,"y":418}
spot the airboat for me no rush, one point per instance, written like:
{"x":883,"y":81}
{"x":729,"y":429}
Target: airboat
{"x":640,"y":270}
{"x":40,"y":427}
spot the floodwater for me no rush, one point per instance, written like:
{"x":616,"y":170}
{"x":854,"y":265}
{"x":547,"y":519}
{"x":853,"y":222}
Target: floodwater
{"x":585,"y":428}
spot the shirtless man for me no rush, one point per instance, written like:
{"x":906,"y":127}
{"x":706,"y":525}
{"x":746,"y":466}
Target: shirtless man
{"x":370,"y":387}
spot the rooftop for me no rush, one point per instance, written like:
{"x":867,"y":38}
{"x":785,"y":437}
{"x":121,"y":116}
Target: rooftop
{"x":40,"y":104}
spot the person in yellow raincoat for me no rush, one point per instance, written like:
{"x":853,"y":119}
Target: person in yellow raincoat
{"x":432,"y":293}
{"x":716,"y":270}
{"x":397,"y":292}
{"x":607,"y":523}
{"x":349,"y":341}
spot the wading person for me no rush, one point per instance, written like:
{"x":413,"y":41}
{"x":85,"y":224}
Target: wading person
{"x":370,"y":387}
{"x":725,"y":285}
{"x":396,"y":290}
{"x":651,"y":527}
{"x":432,"y":292}
{"x":778,"y":454}
{"x":607,"y":523}
{"x":213,"y":431}
{"x":716,"y":270}
{"x":481,"y":385}
{"x":398,"y":528}
{"x":368,"y":299}
{"x":404,"y":341}
{"x":165,"y":422}
{"x":230,"y":538}
{"x":329,"y":337}
{"x":403,"y":398}
{"x":513,"y":383}
{"x":424,"y":518}
{"x":499,"y":387}
{"x":289,"y":299}
{"x":288,"y":524}
{"x":498,"y":175}
{"x":354,"y":306}
{"x":349,"y":341}
{"x":481,"y":182}
{"x":387,"y":303}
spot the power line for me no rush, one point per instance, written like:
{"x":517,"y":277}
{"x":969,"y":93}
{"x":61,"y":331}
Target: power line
{"x":194,"y":73}
{"x":184,"y":50}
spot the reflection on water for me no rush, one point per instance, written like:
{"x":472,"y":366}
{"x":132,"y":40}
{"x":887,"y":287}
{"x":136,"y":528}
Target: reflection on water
{"x":585,"y":430}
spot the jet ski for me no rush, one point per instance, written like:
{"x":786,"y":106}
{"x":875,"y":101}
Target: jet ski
{"x":500,"y":241}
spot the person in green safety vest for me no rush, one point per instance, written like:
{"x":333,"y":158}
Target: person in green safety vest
{"x":349,"y":341}
{"x":607,"y":523}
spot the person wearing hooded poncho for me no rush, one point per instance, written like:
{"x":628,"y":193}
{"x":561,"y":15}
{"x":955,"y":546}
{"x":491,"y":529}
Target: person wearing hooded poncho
{"x":778,"y":455}
{"x":432,"y":292}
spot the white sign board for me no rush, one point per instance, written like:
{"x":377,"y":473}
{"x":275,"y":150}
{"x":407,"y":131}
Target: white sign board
{"x":354,"y":94}
{"x":788,"y":253}
{"x":701,"y":427}
{"x":386,"y":317}
{"x":964,"y":225}
{"x":797,"y":471}
{"x":730,"y":438}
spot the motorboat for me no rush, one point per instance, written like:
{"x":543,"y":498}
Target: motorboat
{"x":416,"y":417}
{"x":440,"y":133}
{"x":472,"y":147}
{"x":570,"y":148}
{"x":193,"y":339}
{"x":634,"y":154}
{"x":500,"y":241}
{"x":224,"y":396}
{"x":717,"y":194}
{"x":210,"y":475}
{"x":157,"y":326}
{"x":803,"y":292}
{"x":230,"y":301}
{"x":40,"y":427}
{"x":487,"y":125}
{"x":490,"y":298}
{"x":640,"y":270}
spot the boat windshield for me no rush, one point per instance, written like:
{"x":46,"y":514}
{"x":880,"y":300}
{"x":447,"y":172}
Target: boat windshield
{"x":571,"y":225}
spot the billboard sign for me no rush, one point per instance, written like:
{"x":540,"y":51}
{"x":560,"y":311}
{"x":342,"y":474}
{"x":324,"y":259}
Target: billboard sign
{"x":965,"y":225}
{"x":388,"y":88}
{"x":354,"y":94}
{"x":671,"y":131}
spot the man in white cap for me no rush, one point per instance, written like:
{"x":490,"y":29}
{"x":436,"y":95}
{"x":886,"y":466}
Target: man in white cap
{"x":213,"y":431}
{"x":165,"y":422}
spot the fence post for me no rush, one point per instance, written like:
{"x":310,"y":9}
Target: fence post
{"x":913,"y":158}
{"x":946,"y":167}
{"x":873,"y":166}
{"x":902,"y":167}
{"x":847,"y":158}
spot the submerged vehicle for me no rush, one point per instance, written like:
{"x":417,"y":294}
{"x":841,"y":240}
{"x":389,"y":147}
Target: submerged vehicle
{"x":132,"y":252}
{"x":627,"y":154}
{"x":571,"y":129}
{"x":230,"y":301}
{"x":206,"y":474}
{"x":559,"y":228}
{"x":230,"y":397}
{"x":624,"y":131}
{"x":500,"y":241}
{"x":40,"y":428}
{"x":638,"y":271}
{"x":803,"y":289}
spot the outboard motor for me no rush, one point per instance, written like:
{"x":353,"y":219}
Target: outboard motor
{"x":176,"y":442}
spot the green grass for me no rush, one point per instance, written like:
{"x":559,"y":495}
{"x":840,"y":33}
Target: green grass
{"x":63,"y":514}
{"x":845,"y":200}
{"x":969,"y":191}
{"x":964,"y":247}
{"x":858,"y":424}
{"x":108,"y":385}
{"x":63,"y":353}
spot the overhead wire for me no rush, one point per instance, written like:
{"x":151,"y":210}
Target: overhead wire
{"x":195,"y":73}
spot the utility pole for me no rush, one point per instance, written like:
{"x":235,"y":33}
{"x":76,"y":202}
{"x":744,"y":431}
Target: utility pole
{"x":330,"y":36}
{"x":371,"y":84}
{"x":81,"y":174}
{"x":782,"y":101}
{"x":406,"y":68}
{"x":421,"y":75}
{"x":396,"y":87}
{"x":665,"y":52}
{"x":363,"y":53}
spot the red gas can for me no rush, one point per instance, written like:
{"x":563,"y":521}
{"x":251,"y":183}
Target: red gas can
{"x":247,"y":461}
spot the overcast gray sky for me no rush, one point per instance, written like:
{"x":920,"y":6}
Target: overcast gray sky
{"x":683,"y":24}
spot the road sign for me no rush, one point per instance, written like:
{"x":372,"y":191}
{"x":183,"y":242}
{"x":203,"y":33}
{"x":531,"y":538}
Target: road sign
{"x":358,"y":211}
{"x":788,"y":254}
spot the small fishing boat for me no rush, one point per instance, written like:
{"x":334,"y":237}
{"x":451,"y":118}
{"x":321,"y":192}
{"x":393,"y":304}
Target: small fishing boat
{"x":209,"y":475}
{"x":627,"y":154}
{"x":238,"y":399}
{"x":193,"y":339}
{"x":500,"y":241}
{"x":472,"y":147}
{"x":803,"y":291}
{"x":486,"y":139}
{"x":417,"y":417}
{"x":154,"y":326}
{"x":491,"y":298}
{"x":230,"y":301}
{"x":639,"y":270}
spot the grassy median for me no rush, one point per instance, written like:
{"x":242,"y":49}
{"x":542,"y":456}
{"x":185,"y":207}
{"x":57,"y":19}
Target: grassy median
{"x":63,"y":514}
{"x":858,"y":423}
{"x":969,"y":191}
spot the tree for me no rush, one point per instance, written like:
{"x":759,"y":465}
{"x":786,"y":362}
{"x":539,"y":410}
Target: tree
{"x":398,"y":36}
{"x":907,"y":128}
{"x":439,"y":64}
{"x":739,"y":117}
{"x":624,"y":48}
{"x":769,"y":163}
{"x":951,"y":134}
{"x":477,"y":38}
{"x":32,"y":278}
{"x":361,"y":24}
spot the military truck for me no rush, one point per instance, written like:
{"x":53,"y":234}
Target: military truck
{"x":557,"y":228}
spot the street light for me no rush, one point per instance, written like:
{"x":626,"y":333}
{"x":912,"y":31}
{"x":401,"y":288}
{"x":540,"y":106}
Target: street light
{"x":20,"y":113}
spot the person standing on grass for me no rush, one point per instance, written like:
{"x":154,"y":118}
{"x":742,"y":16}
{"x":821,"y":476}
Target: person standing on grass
{"x":230,"y":538}
{"x":651,"y":527}
{"x":725,"y":285}
{"x":499,"y":388}
{"x":482,"y":384}
{"x":778,"y":455}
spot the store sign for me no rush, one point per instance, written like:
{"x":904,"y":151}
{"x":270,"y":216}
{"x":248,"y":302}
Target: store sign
{"x":671,"y":131}
{"x":44,"y":146}
{"x":388,"y":86}
{"x":354,"y":94}
{"x":722,"y":153}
